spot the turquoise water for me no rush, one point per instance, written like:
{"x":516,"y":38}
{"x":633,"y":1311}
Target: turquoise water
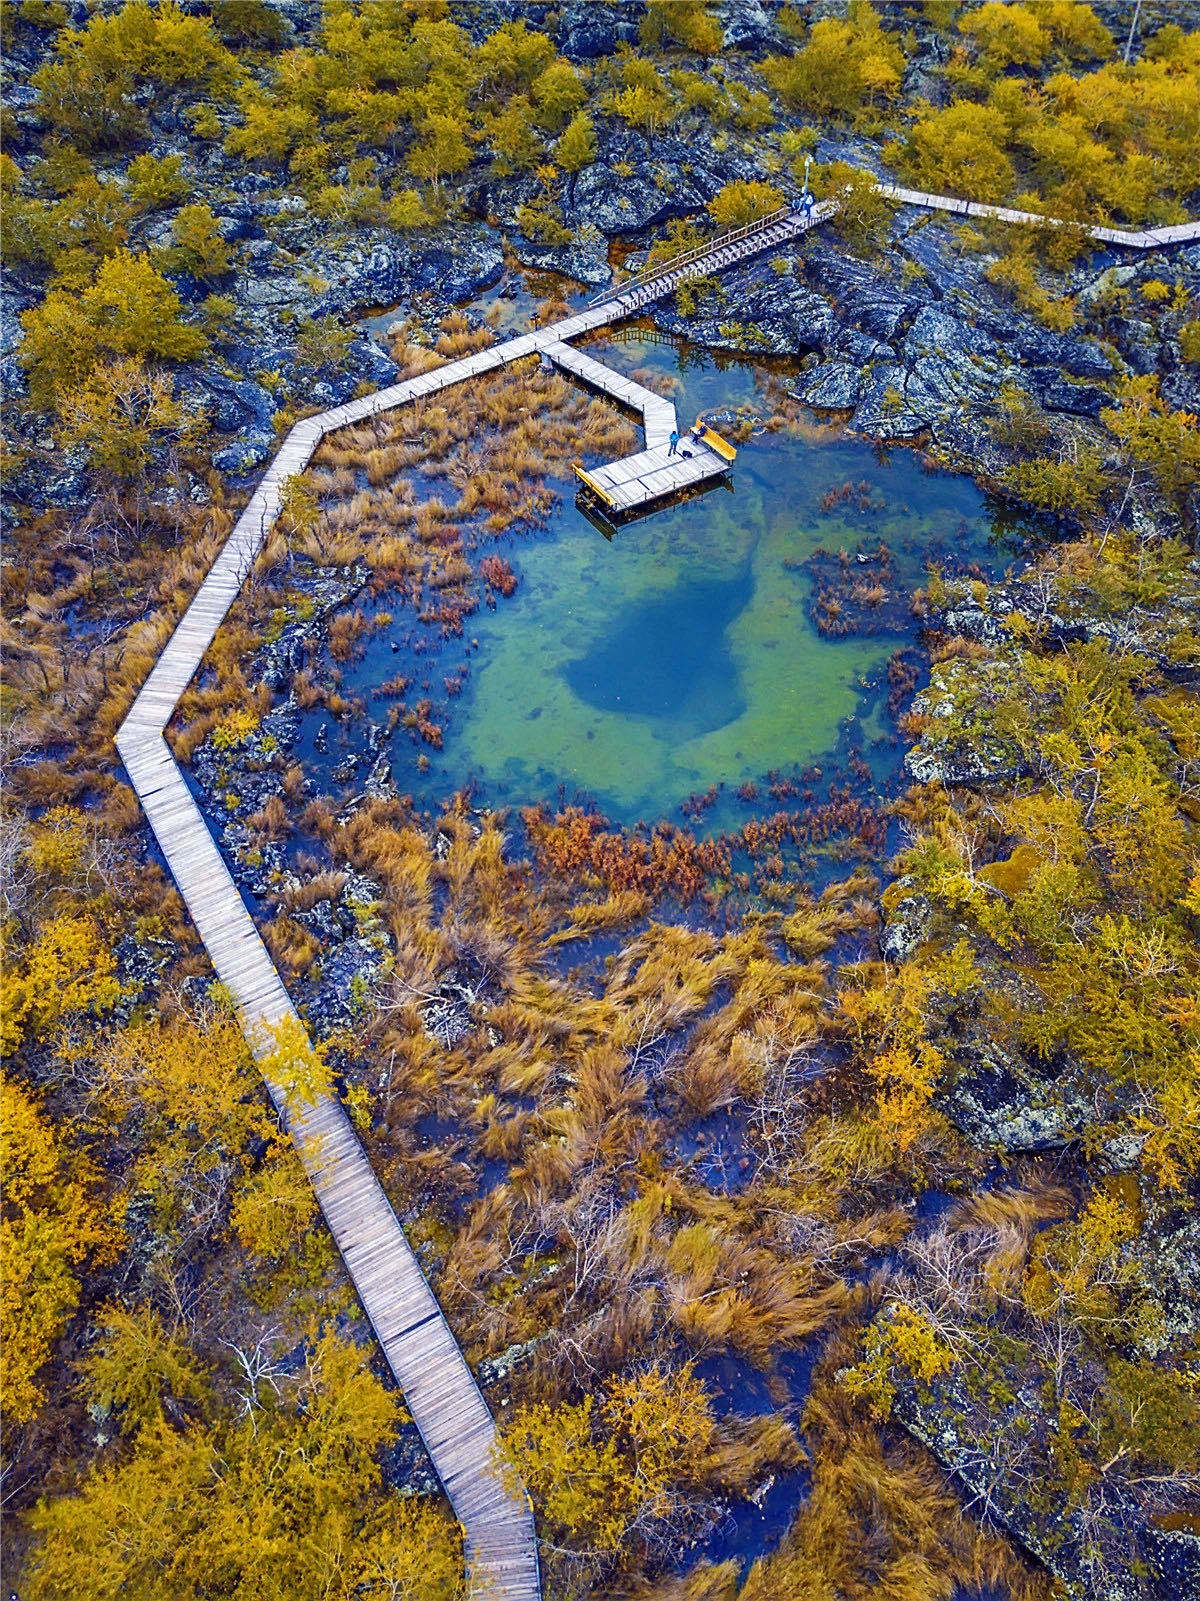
{"x":679,"y":654}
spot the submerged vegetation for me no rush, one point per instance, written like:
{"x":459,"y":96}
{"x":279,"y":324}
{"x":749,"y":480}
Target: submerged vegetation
{"x":810,"y":1175}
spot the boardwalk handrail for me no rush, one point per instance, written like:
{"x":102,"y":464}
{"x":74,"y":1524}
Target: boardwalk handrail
{"x":687,"y":258}
{"x":676,"y":266}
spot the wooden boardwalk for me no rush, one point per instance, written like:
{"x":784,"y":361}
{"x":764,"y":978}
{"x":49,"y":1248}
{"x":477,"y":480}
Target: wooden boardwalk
{"x":1138,"y":239}
{"x":656,"y":471}
{"x":429,"y":1367}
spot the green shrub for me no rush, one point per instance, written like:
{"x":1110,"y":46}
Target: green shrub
{"x":844,"y":66}
{"x":739,"y":203}
{"x":155,"y":182}
{"x":89,"y":90}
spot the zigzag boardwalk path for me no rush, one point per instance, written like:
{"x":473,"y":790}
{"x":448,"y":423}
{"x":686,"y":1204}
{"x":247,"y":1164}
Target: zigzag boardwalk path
{"x":438,"y":1386}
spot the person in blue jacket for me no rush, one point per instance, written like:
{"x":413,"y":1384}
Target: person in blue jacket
{"x":674,"y":442}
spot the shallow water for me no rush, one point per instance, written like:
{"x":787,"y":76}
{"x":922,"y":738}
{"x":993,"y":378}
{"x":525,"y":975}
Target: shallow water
{"x":679,"y":654}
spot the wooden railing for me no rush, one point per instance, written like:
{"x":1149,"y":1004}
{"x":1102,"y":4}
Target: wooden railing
{"x":688,"y":258}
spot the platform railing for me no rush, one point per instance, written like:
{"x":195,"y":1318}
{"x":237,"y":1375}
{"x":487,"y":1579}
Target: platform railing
{"x":689,"y":258}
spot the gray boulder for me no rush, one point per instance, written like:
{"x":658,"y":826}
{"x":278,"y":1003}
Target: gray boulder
{"x":382,"y":269}
{"x":590,"y":28}
{"x":747,"y":26}
{"x":235,"y":403}
{"x":241,"y":456}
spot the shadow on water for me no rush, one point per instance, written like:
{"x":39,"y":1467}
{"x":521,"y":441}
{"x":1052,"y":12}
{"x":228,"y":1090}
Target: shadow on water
{"x":670,"y":658}
{"x":753,"y":1527}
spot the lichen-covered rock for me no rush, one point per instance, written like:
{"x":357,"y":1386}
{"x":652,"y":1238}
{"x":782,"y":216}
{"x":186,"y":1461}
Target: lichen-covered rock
{"x":234,"y":403}
{"x":245,"y":453}
{"x":907,"y":927}
{"x":1112,"y":1551}
{"x":831,"y":386}
{"x":1168,"y":1247}
{"x":1000,"y":1102}
{"x":381,"y":269}
{"x":584,"y":261}
{"x":959,"y":743}
{"x":348,"y":973}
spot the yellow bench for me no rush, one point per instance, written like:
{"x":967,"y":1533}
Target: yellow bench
{"x":596,"y":487}
{"x":714,"y":442}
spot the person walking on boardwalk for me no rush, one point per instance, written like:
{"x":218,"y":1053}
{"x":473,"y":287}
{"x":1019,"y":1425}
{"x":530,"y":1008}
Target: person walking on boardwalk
{"x":674,"y":444}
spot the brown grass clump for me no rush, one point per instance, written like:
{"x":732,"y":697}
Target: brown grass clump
{"x":293,"y":947}
{"x":882,"y":1522}
{"x":271,"y":821}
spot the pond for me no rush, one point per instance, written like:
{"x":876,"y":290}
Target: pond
{"x":682,"y":653}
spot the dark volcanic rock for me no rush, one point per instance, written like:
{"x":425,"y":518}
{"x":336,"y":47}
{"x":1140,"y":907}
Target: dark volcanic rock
{"x":348,"y":972}
{"x":832,"y":386}
{"x":1057,"y":393}
{"x":585,"y":262}
{"x":589,"y":28}
{"x":935,"y":251}
{"x":758,"y":309}
{"x":863,"y":296}
{"x":234,"y":403}
{"x":1038,"y":346}
{"x":382,"y":269}
{"x":951,"y":365}
{"x":617,"y":203}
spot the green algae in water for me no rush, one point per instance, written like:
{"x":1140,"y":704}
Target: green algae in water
{"x":676,"y":657}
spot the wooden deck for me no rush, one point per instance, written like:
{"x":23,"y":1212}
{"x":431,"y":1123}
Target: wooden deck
{"x":657,"y":412}
{"x":638,"y":481}
{"x":655,"y":472}
{"x":429,"y":1367}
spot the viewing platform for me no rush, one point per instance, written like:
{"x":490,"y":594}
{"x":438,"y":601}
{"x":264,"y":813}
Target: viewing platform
{"x":629,"y":485}
{"x":657,"y":472}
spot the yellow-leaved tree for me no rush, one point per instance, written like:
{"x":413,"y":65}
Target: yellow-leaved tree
{"x":190,"y":1094}
{"x":51,"y":1222}
{"x":134,"y":1361}
{"x":599,"y":1473}
{"x":894,"y":1023}
{"x":129,"y":309}
{"x":68,"y":968}
{"x":281,"y":1498}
